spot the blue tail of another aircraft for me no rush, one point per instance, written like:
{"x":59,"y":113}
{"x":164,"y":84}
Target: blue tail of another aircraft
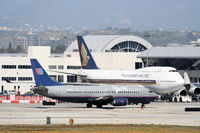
{"x":40,"y":75}
{"x":87,"y":61}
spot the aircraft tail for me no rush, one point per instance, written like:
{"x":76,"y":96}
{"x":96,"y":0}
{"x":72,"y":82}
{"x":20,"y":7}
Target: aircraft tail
{"x":87,"y":61}
{"x":186,"y":78}
{"x":187,"y":82}
{"x":40,"y":75}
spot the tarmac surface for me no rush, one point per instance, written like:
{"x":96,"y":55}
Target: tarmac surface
{"x":163,"y":113}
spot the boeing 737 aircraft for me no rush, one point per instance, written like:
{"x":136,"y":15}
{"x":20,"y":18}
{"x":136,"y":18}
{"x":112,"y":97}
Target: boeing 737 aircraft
{"x":161,"y":80}
{"x":92,"y":94}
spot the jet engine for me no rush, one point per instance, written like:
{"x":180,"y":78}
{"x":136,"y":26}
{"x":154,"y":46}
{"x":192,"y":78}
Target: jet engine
{"x":182,"y":92}
{"x":194,"y":89}
{"x":120,"y":101}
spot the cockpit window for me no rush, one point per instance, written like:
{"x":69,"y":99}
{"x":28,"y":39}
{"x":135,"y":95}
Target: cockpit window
{"x":172,"y":70}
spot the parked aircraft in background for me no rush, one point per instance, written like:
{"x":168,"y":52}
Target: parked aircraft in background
{"x":92,"y":94}
{"x":190,"y":91}
{"x":161,"y":80}
{"x":193,"y":89}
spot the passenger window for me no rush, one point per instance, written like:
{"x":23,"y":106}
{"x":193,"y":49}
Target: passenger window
{"x":150,"y":91}
{"x":172,"y":70}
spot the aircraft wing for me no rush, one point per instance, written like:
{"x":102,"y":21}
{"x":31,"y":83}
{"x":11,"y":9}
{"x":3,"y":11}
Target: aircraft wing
{"x":102,"y":100}
{"x":105,"y":98}
{"x":76,"y":74}
{"x":82,"y":84}
{"x":13,"y":82}
{"x":7,"y":80}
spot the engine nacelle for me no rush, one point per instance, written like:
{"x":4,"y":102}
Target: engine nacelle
{"x":182,"y":92}
{"x":120,"y":101}
{"x":194,"y":90}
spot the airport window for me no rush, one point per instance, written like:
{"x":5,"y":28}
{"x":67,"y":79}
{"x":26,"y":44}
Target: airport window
{"x":60,"y":78}
{"x":138,"y":65}
{"x":8,"y":66}
{"x":73,"y":67}
{"x":75,"y":50}
{"x":52,"y":66}
{"x":71,"y":78}
{"x":24,"y":78}
{"x":127,"y":46}
{"x":8,"y":78}
{"x":60,"y":67}
{"x":53,"y":77}
{"x":2,"y":88}
{"x":24,"y":66}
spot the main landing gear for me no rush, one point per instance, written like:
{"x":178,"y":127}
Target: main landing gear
{"x":89,"y":105}
{"x":99,"y":106}
{"x":142,"y":106}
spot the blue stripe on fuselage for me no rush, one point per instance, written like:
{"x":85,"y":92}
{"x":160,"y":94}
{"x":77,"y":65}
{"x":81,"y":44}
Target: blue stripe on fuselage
{"x":83,"y":99}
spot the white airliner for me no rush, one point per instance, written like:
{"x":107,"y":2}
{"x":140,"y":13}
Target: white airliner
{"x":161,"y":80}
{"x":92,"y":94}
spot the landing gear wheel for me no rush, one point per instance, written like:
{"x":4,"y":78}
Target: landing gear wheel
{"x":198,"y":99}
{"x":99,"y":106}
{"x":170,"y":99}
{"x":142,"y":106}
{"x":180,"y":100}
{"x":175,"y":99}
{"x":89,"y":105}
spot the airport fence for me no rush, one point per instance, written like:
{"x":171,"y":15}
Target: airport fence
{"x":5,"y":97}
{"x":38,"y":98}
{"x":23,"y":99}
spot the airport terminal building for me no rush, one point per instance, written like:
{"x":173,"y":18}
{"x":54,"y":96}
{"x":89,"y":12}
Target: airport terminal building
{"x":109,"y":51}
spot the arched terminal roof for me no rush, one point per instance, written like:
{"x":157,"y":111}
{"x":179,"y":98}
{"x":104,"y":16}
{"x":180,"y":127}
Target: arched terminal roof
{"x":112,"y":43}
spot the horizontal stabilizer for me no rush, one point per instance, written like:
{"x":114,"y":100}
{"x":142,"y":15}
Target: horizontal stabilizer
{"x":75,"y":74}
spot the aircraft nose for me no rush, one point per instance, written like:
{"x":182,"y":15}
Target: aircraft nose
{"x":180,"y":82}
{"x":40,"y":90}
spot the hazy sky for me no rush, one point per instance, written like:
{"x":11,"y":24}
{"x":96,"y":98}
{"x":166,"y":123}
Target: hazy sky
{"x":85,"y":14}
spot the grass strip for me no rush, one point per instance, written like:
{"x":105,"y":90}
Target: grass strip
{"x":120,"y":128}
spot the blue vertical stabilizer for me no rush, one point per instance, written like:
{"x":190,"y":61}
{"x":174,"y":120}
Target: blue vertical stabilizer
{"x":40,"y":75}
{"x":87,"y":61}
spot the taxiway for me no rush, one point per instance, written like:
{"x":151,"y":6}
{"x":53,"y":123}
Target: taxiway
{"x":155,"y":113}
